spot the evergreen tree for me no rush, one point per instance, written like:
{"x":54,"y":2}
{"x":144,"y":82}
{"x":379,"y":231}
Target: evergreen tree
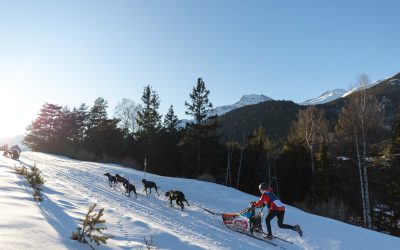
{"x":148,"y":119}
{"x":42,"y":132}
{"x":103,"y":137}
{"x":80,"y":117}
{"x":294,"y":171}
{"x":92,"y":228}
{"x":388,"y":215}
{"x":201,"y":150}
{"x":199,"y":105}
{"x":149,"y":124}
{"x":98,"y":112}
{"x":321,"y":179}
{"x":171,"y":120}
{"x":200,"y":144}
{"x":259,"y":146}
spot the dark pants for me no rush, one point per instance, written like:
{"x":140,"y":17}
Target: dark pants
{"x":280,"y":215}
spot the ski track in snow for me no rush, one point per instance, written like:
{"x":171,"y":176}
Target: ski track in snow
{"x":87,"y":178}
{"x":71,"y":186}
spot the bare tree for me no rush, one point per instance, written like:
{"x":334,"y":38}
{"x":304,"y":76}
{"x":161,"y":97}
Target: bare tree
{"x":126,"y":112}
{"x":311,"y":127}
{"x":357,"y":119}
{"x":240,"y":165}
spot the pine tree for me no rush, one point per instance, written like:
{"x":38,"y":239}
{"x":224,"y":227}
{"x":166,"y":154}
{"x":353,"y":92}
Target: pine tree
{"x":171,"y":120}
{"x":294,"y":171}
{"x":92,"y":228}
{"x":199,"y":105}
{"x":149,"y":124}
{"x":148,"y":119}
{"x":80,"y":117}
{"x":392,"y":184}
{"x":200,"y":144}
{"x":42,"y":132}
{"x":260,"y":147}
{"x":98,"y":112}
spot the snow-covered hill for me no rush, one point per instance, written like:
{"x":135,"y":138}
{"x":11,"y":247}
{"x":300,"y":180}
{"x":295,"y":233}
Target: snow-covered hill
{"x":220,"y":110}
{"x":325,"y":97}
{"x":244,"y":101}
{"x":72,"y":186}
{"x":338,"y":93}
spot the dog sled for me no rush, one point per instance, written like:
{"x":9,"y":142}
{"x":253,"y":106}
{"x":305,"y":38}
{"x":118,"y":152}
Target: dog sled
{"x":249,"y":222}
{"x":13,"y":152}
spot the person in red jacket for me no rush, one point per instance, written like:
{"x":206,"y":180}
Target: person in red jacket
{"x":275,"y":208}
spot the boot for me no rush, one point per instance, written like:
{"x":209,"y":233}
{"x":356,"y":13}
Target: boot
{"x":298,"y":230}
{"x":269,"y":237}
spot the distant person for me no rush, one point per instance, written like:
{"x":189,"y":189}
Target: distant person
{"x":275,"y":208}
{"x":15,"y":151}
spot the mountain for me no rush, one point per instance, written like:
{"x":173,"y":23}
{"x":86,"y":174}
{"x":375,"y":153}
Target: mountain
{"x":276,"y":117}
{"x":325,"y":97}
{"x":332,"y":95}
{"x":244,"y":101}
{"x":71,"y":186}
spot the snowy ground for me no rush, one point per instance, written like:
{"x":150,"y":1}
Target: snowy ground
{"x":72,"y":186}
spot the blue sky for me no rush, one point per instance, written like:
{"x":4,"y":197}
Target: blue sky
{"x":70,"y":52}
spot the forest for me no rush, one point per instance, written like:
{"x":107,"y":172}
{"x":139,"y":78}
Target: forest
{"x":340,"y":160}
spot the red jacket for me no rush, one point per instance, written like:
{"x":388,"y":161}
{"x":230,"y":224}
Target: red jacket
{"x":271,"y":200}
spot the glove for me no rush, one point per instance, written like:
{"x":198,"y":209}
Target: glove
{"x":252,"y":203}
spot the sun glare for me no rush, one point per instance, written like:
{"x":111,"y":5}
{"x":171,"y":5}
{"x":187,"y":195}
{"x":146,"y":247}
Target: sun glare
{"x":10,"y":112}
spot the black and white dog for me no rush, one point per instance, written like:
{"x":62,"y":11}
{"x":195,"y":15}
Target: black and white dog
{"x":112,"y":180}
{"x":149,"y":185}
{"x":178,"y":196}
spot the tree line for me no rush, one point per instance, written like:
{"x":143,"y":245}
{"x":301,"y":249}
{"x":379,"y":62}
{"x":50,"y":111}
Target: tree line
{"x":329,"y":167}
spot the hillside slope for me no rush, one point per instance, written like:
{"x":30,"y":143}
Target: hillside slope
{"x":71,"y":186}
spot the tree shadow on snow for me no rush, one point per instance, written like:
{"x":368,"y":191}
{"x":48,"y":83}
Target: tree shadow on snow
{"x":59,"y":220}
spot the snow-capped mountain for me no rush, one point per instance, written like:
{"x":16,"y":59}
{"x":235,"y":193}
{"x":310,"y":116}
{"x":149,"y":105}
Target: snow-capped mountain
{"x":325,"y":97}
{"x":220,"y":110}
{"x":244,"y":101}
{"x":338,"y":93}
{"x":355,"y":89}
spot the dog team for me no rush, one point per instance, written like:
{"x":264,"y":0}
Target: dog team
{"x":176,"y":195}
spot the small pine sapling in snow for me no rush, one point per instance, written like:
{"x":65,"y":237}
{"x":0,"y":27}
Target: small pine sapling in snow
{"x":21,"y":170}
{"x":34,"y":178}
{"x":92,"y":227}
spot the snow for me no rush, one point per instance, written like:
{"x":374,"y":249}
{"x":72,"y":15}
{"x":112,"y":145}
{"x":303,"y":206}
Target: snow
{"x":244,"y":101}
{"x":220,"y":110}
{"x":71,"y":186}
{"x":325,"y":97}
{"x":338,"y":93}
